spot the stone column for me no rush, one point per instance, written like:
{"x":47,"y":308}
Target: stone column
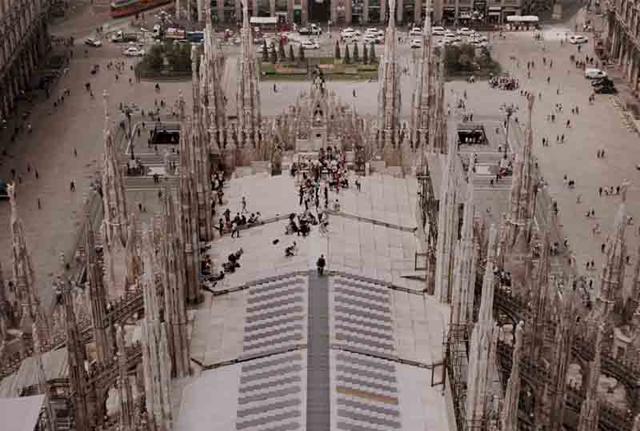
{"x":334,"y":10}
{"x":290,"y":11}
{"x":399,"y":9}
{"x":383,"y":11}
{"x":254,"y":7}
{"x":417,"y":11}
{"x":305,"y":11}
{"x":348,"y":17}
{"x":365,"y":12}
{"x":272,"y":7}
{"x":220,"y":9}
{"x":238,"y":11}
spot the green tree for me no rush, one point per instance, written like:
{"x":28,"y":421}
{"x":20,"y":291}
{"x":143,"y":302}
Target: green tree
{"x":365,"y":54}
{"x":356,"y":53}
{"x":337,"y":54}
{"x":292,"y":57}
{"x":347,"y":55}
{"x":281,"y":54}
{"x":265,"y":51}
{"x":274,"y":54}
{"x":300,"y":53}
{"x":179,"y":57}
{"x":155,"y":58}
{"x":372,"y":54}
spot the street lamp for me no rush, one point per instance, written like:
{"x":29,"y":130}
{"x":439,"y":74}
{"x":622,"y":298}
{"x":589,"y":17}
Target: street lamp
{"x":508,"y":110}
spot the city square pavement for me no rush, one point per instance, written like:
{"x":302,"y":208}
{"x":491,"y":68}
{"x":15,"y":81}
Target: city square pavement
{"x":79,"y":122}
{"x":78,"y":125}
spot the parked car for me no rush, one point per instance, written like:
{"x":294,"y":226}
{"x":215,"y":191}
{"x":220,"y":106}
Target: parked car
{"x":133,"y":51}
{"x":374,"y":32}
{"x":348,"y":32}
{"x":369,"y":39}
{"x":415,"y":31}
{"x":310,"y":44}
{"x":591,"y":73}
{"x":577,"y":39}
{"x":92,"y":42}
{"x":605,"y":89}
{"x":601,"y":81}
{"x":416,"y":43}
{"x":437,"y":31}
{"x":464,"y":31}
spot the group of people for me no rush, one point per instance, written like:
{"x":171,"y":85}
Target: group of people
{"x":504,"y":82}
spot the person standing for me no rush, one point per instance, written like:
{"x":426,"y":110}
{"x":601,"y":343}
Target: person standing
{"x":320,"y":264}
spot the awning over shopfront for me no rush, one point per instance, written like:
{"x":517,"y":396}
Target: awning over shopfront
{"x":523,"y":18}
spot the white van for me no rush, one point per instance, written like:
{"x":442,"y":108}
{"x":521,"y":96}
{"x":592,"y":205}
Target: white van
{"x":591,"y":73}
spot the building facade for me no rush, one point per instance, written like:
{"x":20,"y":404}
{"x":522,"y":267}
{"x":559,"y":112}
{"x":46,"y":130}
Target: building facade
{"x":357,"y":12}
{"x":369,"y":12}
{"x":23,"y":41}
{"x":623,"y":38}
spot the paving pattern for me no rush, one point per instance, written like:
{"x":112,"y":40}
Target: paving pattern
{"x":365,"y":385}
{"x":272,"y":383}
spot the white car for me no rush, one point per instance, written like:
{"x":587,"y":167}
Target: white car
{"x":464,"y":31}
{"x":372,"y":31}
{"x":376,"y":40}
{"x":349,"y":32}
{"x":310,"y":44}
{"x":416,"y":43}
{"x":577,"y":39}
{"x":92,"y":42}
{"x":415,"y":31}
{"x":591,"y":73}
{"x":133,"y":51}
{"x":437,"y":31}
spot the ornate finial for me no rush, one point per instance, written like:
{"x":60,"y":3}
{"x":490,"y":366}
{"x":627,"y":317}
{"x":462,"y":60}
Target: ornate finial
{"x":623,"y":189}
{"x":11,"y":191}
{"x":392,"y":13}
{"x":105,"y":98}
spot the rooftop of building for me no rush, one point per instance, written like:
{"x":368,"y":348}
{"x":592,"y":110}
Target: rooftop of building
{"x":351,"y":350}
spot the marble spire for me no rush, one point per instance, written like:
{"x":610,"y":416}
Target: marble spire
{"x":156,"y":362}
{"x":447,"y":223}
{"x":114,"y":200}
{"x":464,"y":268}
{"x":132,"y":257}
{"x":539,"y":299}
{"x":438,"y":137}
{"x":189,"y":215}
{"x":522,"y":198}
{"x":588,"y":420}
{"x":421,"y":108}
{"x":389,"y":94}
{"x":633,"y":302}
{"x":248,"y":96}
{"x":609,"y":293}
{"x":30,"y":310}
{"x":213,"y":98}
{"x":199,"y":166}
{"x":98,"y":299}
{"x":6,"y":309}
{"x":173,"y":281}
{"x":509,"y":414}
{"x":125,"y":394}
{"x":561,"y":356}
{"x":77,"y":357}
{"x":483,"y":343}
